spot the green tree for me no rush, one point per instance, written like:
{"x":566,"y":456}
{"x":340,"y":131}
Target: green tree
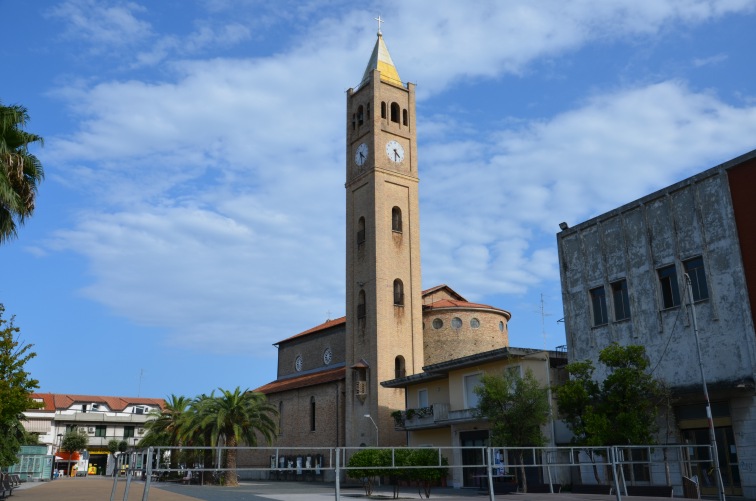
{"x":620,"y":410}
{"x":16,"y":387}
{"x":115,"y":446}
{"x":516,"y":409}
{"x":73,"y":441}
{"x":367,"y":465}
{"x":20,"y":171}
{"x":236,"y":417}
{"x":168,"y":426}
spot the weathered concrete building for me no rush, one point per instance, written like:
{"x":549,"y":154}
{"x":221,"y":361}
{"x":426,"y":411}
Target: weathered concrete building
{"x":624,"y":279}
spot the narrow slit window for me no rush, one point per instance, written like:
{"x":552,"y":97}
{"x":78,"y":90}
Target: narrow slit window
{"x":396,"y":219}
{"x":398,"y":293}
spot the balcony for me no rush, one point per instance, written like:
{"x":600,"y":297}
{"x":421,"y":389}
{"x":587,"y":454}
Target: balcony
{"x":435,"y":416}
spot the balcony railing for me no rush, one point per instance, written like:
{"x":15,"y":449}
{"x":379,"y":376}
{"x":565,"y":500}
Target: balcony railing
{"x":429,"y":417}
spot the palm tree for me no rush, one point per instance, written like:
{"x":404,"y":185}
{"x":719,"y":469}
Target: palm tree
{"x":20,"y":171}
{"x":236,"y":417}
{"x":168,"y":425}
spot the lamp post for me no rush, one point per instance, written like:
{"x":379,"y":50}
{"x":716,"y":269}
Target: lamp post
{"x":376,"y":428}
{"x":712,"y":434}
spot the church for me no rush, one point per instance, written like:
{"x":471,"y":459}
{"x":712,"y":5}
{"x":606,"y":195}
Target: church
{"x":328,"y":387}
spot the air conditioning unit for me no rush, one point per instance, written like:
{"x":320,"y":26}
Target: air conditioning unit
{"x":140,"y":431}
{"x":91,"y":430}
{"x":361,"y":387}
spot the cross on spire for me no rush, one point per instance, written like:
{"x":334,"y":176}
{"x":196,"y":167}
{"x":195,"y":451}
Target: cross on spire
{"x":379,"y":22}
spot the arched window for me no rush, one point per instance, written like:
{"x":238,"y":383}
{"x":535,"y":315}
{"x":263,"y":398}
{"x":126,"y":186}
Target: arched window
{"x":361,"y":306}
{"x":399,"y":370}
{"x":398,"y":292}
{"x":360,"y":116}
{"x":312,"y":413}
{"x":383,"y":110}
{"x":396,"y":219}
{"x":395,"y":112}
{"x":361,"y":231}
{"x":405,"y":118}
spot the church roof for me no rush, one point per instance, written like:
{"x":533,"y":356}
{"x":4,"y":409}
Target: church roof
{"x":454,"y":304}
{"x":325,"y":325}
{"x":380,"y":60}
{"x":444,"y":288}
{"x":304,"y":380}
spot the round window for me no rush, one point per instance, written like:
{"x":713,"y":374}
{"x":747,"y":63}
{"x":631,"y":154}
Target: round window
{"x":298,"y":363}
{"x":456,"y":322}
{"x":501,"y":326}
{"x":327,"y":356}
{"x":474,"y":323}
{"x":437,"y":323}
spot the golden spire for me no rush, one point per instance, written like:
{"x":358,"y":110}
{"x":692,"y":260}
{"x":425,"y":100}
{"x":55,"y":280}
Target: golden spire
{"x":380,"y":60}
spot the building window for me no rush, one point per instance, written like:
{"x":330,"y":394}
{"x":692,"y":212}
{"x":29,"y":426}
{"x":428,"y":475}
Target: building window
{"x":298,"y":363}
{"x":361,"y":306}
{"x":383,"y":109}
{"x":695,"y":270}
{"x":396,"y":219}
{"x":472,"y":381}
{"x":361,"y":231}
{"x":368,"y":110}
{"x":621,"y":300}
{"x":474,"y":323}
{"x":395,"y":112}
{"x":405,"y":120}
{"x":360,"y":115}
{"x":669,"y":288}
{"x":501,"y":326}
{"x":598,"y":304}
{"x":312,"y":413}
{"x":101,"y":431}
{"x":456,"y":323}
{"x":398,"y":293}
{"x":128,"y":432}
{"x":437,"y":323}
{"x":422,"y":398}
{"x":514,"y":371}
{"x":399,"y":370}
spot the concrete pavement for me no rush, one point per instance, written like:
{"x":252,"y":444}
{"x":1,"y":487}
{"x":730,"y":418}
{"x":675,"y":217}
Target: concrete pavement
{"x":99,"y":489}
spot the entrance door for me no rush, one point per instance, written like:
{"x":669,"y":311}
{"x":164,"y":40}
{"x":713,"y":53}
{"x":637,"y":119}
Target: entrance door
{"x":703,"y":466}
{"x":473,"y":475}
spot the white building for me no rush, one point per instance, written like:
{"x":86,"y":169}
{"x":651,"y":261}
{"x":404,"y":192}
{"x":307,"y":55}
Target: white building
{"x":102,"y":418}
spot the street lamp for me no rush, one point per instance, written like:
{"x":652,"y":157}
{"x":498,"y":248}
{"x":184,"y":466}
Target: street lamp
{"x":376,"y":428}
{"x":712,"y":433}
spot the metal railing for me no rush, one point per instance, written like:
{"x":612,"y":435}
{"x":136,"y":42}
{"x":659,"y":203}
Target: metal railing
{"x":618,"y":469}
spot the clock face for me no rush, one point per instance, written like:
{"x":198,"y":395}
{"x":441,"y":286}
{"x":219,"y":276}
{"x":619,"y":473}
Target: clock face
{"x":327,"y":356}
{"x":395,"y":152}
{"x":298,"y":363}
{"x":361,"y":154}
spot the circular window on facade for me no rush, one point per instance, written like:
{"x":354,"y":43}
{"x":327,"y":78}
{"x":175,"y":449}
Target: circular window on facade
{"x":501,"y":326}
{"x":474,"y":323}
{"x":327,"y":356}
{"x":437,"y":323}
{"x":298,"y":363}
{"x":456,"y":322}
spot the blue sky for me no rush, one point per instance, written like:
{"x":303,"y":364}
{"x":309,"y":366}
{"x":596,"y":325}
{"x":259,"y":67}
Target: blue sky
{"x":193,"y":209}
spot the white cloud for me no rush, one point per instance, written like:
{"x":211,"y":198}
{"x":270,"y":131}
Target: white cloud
{"x":103,"y":25}
{"x":215,"y":196}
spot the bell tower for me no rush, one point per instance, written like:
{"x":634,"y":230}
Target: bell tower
{"x":383,"y":290}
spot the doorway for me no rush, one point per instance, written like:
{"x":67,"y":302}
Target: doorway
{"x":472,"y":459}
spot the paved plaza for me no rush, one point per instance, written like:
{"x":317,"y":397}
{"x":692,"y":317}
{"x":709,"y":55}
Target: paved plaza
{"x":100,"y":488}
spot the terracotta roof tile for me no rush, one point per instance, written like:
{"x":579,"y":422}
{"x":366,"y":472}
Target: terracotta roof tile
{"x":305,"y":380}
{"x":325,"y":325}
{"x":56,"y":401}
{"x":450,"y":303}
